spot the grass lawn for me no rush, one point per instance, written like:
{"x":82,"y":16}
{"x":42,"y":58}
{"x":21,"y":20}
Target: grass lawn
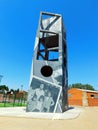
{"x":12,"y":104}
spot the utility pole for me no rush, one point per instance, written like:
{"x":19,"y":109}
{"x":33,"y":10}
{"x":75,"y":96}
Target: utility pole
{"x":1,"y":76}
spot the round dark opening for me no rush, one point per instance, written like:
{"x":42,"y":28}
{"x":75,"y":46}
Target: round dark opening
{"x":46,"y":71}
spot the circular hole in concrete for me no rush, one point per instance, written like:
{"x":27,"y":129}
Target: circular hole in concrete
{"x":46,"y":71}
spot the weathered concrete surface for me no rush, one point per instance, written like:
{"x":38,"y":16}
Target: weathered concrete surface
{"x":71,"y":113}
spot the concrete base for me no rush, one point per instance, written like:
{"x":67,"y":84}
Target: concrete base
{"x":72,"y":113}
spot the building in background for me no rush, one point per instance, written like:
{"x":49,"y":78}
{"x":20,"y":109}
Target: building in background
{"x":82,"y":97}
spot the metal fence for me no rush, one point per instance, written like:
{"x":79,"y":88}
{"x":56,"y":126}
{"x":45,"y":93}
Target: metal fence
{"x":13,"y":99}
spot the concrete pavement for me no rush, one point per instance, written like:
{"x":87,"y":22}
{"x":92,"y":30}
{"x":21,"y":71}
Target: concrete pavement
{"x":21,"y":112}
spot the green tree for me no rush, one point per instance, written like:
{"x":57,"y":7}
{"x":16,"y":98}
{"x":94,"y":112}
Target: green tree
{"x":81,"y":86}
{"x":4,"y":87}
{"x":15,"y":91}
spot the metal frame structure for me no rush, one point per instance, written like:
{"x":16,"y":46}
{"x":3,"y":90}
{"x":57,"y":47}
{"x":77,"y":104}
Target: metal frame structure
{"x":49,"y":66}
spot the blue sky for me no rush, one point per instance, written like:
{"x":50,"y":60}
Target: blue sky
{"x":18,"y":25}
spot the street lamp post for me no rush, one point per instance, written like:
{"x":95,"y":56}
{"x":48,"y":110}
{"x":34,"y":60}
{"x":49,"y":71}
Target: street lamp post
{"x":21,"y":94}
{"x":21,"y":87}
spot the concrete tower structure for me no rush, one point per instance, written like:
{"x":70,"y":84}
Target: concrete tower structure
{"x":49,"y":76}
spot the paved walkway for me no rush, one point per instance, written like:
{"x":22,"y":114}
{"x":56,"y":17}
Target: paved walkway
{"x":86,"y":120}
{"x":21,"y":112}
